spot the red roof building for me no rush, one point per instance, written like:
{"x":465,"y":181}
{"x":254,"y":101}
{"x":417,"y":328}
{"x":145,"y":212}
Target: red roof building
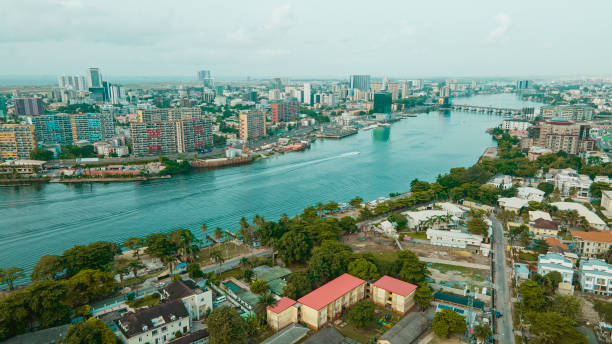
{"x":393,"y":293}
{"x":282,"y":305}
{"x":330,"y":291}
{"x":395,"y":286}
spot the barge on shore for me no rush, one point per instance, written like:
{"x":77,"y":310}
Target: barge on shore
{"x":221,"y":162}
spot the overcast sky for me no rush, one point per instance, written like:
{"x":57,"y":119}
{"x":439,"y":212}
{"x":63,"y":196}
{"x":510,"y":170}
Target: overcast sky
{"x":327,"y":38}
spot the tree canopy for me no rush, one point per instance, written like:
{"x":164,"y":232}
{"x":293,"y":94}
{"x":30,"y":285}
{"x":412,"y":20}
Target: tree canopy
{"x":226,"y":326}
{"x":362,"y":315}
{"x":447,"y":323}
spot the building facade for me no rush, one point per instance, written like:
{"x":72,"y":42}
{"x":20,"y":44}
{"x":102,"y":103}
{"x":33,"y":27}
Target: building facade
{"x":285,"y":111}
{"x":559,"y":134}
{"x":595,"y":276}
{"x":382,"y":102}
{"x":157,"y":324}
{"x":153,"y":138}
{"x":16,"y":141}
{"x":550,"y":262}
{"x":569,"y":112}
{"x":53,"y":128}
{"x":92,"y":127}
{"x":591,"y":244}
{"x":392,"y":293}
{"x":282,"y":314}
{"x":252,"y":125}
{"x":193,"y":135}
{"x":28,"y":106}
{"x":360,"y":82}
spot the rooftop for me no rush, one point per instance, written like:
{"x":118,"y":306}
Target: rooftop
{"x":395,"y":285}
{"x":603,"y":236}
{"x":282,"y":305}
{"x":591,"y":217}
{"x":191,"y":337}
{"x":554,"y":242}
{"x":179,"y":290}
{"x":133,"y":324}
{"x":408,"y":329}
{"x":546,"y":224}
{"x":459,"y":300}
{"x":330,"y":291}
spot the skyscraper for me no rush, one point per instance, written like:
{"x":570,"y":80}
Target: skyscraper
{"x":28,"y":106}
{"x":522,"y":84}
{"x":252,"y":125}
{"x":205,"y":77}
{"x":94,"y":77}
{"x":307,"y":94}
{"x":360,"y":82}
{"x":284,"y":111}
{"x":382,"y":102}
{"x":16,"y":141}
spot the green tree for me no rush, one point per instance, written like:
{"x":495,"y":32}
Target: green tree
{"x":568,"y":306}
{"x":400,"y":219}
{"x":41,"y":154}
{"x":259,"y":286}
{"x":477,"y":225}
{"x":356,"y":202}
{"x":294,"y":247}
{"x":483,"y":332}
{"x":217,"y":256}
{"x":363,"y":269}
{"x":92,"y":331}
{"x":88,"y":286}
{"x":135,"y":266}
{"x":348,"y":224}
{"x":96,"y":256}
{"x":160,"y":246}
{"x":226,"y":326}
{"x":447,"y":323}
{"x":555,"y":278}
{"x":548,"y":188}
{"x":264,"y":301}
{"x":248,"y":274}
{"x":298,"y":285}
{"x":134,"y":244}
{"x":47,"y":300}
{"x":15,"y":314}
{"x":121,"y":268}
{"x":412,"y":269}
{"x":553,"y":328}
{"x":328,"y":261}
{"x":9,"y":275}
{"x":423,"y":296}
{"x":194,"y":270}
{"x":181,"y":239}
{"x":47,"y":267}
{"x":597,"y":187}
{"x":533,"y":296}
{"x":362,"y":315}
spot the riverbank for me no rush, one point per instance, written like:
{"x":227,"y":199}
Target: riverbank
{"x":106,"y":180}
{"x":24,"y":181}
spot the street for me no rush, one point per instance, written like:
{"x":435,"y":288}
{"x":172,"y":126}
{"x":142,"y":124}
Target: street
{"x":503,"y":287}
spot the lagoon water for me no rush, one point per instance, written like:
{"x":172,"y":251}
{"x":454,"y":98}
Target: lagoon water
{"x":49,"y":218}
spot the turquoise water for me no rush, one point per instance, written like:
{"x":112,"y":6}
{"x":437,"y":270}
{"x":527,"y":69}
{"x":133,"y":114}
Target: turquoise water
{"x":49,"y":218}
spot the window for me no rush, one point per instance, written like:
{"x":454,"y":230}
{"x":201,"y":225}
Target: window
{"x":154,"y":332}
{"x":164,"y":329}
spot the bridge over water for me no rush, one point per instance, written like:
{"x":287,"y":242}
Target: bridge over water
{"x":490,"y":109}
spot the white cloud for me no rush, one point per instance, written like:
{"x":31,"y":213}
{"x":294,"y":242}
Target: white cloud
{"x":281,"y":17}
{"x":500,"y":31}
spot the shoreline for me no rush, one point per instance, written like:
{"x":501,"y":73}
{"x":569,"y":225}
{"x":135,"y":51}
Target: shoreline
{"x":106,"y":180}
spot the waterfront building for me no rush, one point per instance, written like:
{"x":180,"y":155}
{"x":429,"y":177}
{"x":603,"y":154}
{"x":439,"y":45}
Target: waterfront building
{"x":445,"y":92}
{"x":16,"y":141}
{"x":515,"y":125}
{"x":594,"y":221}
{"x":157,"y":324}
{"x":197,"y":299}
{"x":153,"y":138}
{"x":568,"y":112}
{"x":382,"y":102}
{"x":393,"y":293}
{"x":22,"y":166}
{"x":92,"y":127}
{"x":193,"y":135}
{"x":591,"y":244}
{"x":53,"y":128}
{"x":285,"y":111}
{"x":94,"y":78}
{"x":252,"y":125}
{"x":550,"y":262}
{"x":595,"y":276}
{"x":522,"y":84}
{"x":323,"y":304}
{"x":559,"y":134}
{"x":28,"y":106}
{"x":360,"y":82}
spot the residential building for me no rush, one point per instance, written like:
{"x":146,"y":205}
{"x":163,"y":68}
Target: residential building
{"x":197,"y":299}
{"x":285,"y":111}
{"x":252,"y":125}
{"x":282,"y":314}
{"x":559,"y":134}
{"x":606,"y":200}
{"x":531,"y":194}
{"x":515,"y":125}
{"x":427,"y":219}
{"x":323,"y":304}
{"x":535,"y":152}
{"x":591,"y":244}
{"x":594,"y":221}
{"x":568,"y":112}
{"x":196,"y":337}
{"x":28,"y":106}
{"x":157,"y":324}
{"x":193,"y":135}
{"x":538,"y":214}
{"x":555,"y":262}
{"x":501,"y":181}
{"x":514,"y":204}
{"x":453,"y":238}
{"x":382,"y":102}
{"x":53,"y":128}
{"x":360,"y":82}
{"x":393,"y":88}
{"x":555,"y":245}
{"x":595,"y":276}
{"x":570,"y":183}
{"x":521,"y":271}
{"x":94,"y":77}
{"x":542,"y":228}
{"x":392,"y":293}
{"x":307,"y":94}
{"x":16,"y":141}
{"x":169,"y":114}
{"x":92,"y":127}
{"x":407,"y":330}
{"x":153,"y":138}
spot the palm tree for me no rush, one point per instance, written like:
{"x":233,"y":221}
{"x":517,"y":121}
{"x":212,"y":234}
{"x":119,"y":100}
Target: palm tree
{"x":120,"y":267}
{"x":217,"y":256}
{"x":10,"y":274}
{"x":182,"y":238}
{"x":134,"y":266}
{"x":244,"y":262}
{"x":218,"y":233}
{"x":265,"y":300}
{"x":134,"y":244}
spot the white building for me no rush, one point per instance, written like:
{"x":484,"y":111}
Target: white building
{"x":453,"y":238}
{"x":386,"y":227}
{"x":555,"y":262}
{"x":531,"y":194}
{"x":501,"y":182}
{"x":196,"y":299}
{"x":453,"y":209}
{"x":606,"y":201}
{"x":515,"y":125}
{"x":590,"y":216}
{"x":568,"y":181}
{"x":428,"y":218}
{"x":512,"y":203}
{"x":538,"y":214}
{"x":157,"y":324}
{"x":595,"y":277}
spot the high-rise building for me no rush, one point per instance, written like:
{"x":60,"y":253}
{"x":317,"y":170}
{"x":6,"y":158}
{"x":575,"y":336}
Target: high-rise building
{"x":360,"y":82}
{"x":393,"y":88}
{"x":66,"y":129}
{"x":252,"y":125}
{"x":405,"y":89}
{"x":16,"y":141}
{"x":3,"y":112}
{"x":307,"y":94}
{"x":193,"y":135}
{"x":53,"y":128}
{"x":522,"y":84}
{"x":285,"y":111}
{"x":169,"y":114}
{"x":376,"y":87}
{"x":115,"y":94}
{"x":569,"y":112}
{"x":28,"y":106}
{"x":276,"y":83}
{"x":206,"y":79}
{"x":94,"y":77}
{"x":97,"y":94}
{"x":559,"y":134}
{"x":153,"y":138}
{"x":74,"y":82}
{"x":445,"y":92}
{"x":382,"y":102}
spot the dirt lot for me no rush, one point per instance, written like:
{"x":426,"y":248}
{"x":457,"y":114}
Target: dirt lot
{"x":375,"y":242}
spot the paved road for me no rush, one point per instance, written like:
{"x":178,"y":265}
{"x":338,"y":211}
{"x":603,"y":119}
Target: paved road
{"x":503,"y":286}
{"x":456,"y":263}
{"x":233,"y":263}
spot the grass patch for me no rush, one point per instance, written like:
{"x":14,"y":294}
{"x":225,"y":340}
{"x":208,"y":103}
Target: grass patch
{"x":228,"y":249}
{"x":375,"y":330}
{"x":147,"y":300}
{"x":525,"y":257}
{"x":236,"y":273}
{"x":473,"y":274}
{"x":416,"y":235}
{"x":385,"y":256}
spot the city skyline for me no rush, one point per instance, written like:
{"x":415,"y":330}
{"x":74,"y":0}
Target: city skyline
{"x":281,"y":39}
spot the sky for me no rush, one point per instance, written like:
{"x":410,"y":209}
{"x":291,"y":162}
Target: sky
{"x":301,"y":39}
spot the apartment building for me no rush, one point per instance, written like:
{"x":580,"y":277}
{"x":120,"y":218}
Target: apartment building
{"x":16,"y":141}
{"x":282,"y":314}
{"x":285,"y":111}
{"x":197,"y":299}
{"x":542,"y":228}
{"x":595,"y":276}
{"x":568,"y":112}
{"x":594,"y":221}
{"x":453,"y":238}
{"x":559,"y":134}
{"x":193,"y":135}
{"x":53,"y":128}
{"x":591,"y":244}
{"x":154,"y":325}
{"x":169,"y":114}
{"x":252,"y":125}
{"x":28,"y":106}
{"x":153,"y":138}
{"x":570,"y":183}
{"x":323,"y":304}
{"x":515,"y":125}
{"x":66,"y":129}
{"x":550,"y":262}
{"x":393,"y":293}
